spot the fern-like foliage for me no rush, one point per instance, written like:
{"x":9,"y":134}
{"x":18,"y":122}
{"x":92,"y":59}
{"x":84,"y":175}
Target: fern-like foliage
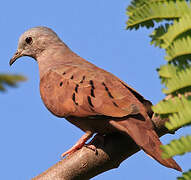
{"x":144,"y":13}
{"x":180,"y":49}
{"x":174,"y":36}
{"x":185,"y":176}
{"x":176,"y":29}
{"x":166,"y":72}
{"x":180,"y":146}
{"x":178,"y":110}
{"x":158,"y":33}
{"x":10,"y":80}
{"x":172,"y":105}
{"x":179,"y":81}
{"x":180,"y":119}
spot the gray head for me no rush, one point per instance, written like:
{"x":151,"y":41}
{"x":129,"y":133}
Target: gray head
{"x":34,"y":41}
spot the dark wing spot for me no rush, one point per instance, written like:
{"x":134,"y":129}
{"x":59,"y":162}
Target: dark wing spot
{"x":92,"y":88}
{"x":92,"y":84}
{"x":83,"y":78}
{"x":92,"y":92}
{"x":115,"y":104}
{"x":110,"y":95}
{"x":72,"y":77}
{"x":90,"y":102}
{"x":105,"y":86}
{"x":64,"y":73}
{"x":108,"y":92}
{"x":74,"y":98}
{"x":61,"y":83}
{"x":76,"y":88}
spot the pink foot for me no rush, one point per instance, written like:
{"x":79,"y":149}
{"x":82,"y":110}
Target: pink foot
{"x":80,"y":143}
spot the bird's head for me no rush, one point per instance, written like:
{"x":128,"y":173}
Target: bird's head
{"x":33,"y":42}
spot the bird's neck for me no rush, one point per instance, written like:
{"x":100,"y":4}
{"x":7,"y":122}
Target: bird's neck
{"x":54,"y":56}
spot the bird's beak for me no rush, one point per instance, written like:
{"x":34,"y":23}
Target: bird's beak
{"x":17,"y":55}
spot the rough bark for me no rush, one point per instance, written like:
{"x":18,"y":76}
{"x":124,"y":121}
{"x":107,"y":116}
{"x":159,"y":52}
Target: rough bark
{"x":86,"y":163}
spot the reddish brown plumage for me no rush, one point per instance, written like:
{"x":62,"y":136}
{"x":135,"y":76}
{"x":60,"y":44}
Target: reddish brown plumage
{"x":98,"y":102}
{"x":91,"y":98}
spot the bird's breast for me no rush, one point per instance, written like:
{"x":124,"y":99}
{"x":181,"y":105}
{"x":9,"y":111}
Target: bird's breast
{"x":56,"y":95}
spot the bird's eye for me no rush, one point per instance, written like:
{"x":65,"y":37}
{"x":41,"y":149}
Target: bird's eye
{"x":28,"y":40}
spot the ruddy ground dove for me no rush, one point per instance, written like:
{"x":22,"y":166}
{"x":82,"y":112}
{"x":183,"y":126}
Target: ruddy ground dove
{"x":89,"y":97}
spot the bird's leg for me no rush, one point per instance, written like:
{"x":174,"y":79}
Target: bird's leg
{"x":79,"y":144}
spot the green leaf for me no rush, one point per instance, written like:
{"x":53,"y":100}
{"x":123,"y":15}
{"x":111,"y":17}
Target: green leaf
{"x":178,"y":78}
{"x":185,"y":176}
{"x":157,"y":34}
{"x":166,"y":72}
{"x":180,"y":49}
{"x":177,"y":147}
{"x":177,"y":109}
{"x":168,"y":106}
{"x":182,"y":118}
{"x":144,"y":13}
{"x":175,"y":78}
{"x":179,"y":27}
{"x":10,"y":80}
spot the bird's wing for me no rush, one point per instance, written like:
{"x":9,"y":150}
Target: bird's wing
{"x":82,"y":91}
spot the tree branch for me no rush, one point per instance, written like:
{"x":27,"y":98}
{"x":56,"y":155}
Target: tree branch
{"x":86,"y":163}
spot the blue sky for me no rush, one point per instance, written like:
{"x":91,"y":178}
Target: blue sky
{"x":31,"y":138}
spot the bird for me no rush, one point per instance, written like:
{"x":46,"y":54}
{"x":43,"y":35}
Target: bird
{"x":91,"y":98}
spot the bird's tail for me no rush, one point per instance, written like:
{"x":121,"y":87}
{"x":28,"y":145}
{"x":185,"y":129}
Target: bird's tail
{"x":146,"y":138}
{"x":153,"y":149}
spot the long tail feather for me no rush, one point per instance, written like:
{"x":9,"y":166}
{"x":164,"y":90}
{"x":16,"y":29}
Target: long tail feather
{"x":146,"y":138}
